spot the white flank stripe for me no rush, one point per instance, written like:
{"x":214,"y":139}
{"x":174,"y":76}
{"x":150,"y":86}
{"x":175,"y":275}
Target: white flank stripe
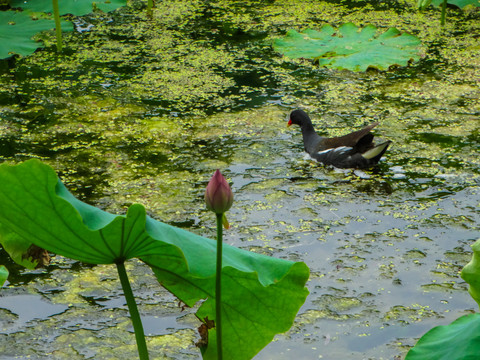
{"x":340,"y":149}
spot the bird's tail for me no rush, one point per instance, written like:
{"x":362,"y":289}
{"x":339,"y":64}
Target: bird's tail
{"x":376,"y":153}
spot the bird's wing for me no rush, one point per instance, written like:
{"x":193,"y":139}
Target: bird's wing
{"x":349,"y":140}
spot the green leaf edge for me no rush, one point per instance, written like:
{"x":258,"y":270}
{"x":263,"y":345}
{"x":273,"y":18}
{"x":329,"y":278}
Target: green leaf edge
{"x":452,"y":341}
{"x":471,"y":273}
{"x":3,"y":274}
{"x":459,"y":3}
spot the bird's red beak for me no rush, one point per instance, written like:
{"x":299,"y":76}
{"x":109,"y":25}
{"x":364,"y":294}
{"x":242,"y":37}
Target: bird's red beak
{"x":289,"y":122}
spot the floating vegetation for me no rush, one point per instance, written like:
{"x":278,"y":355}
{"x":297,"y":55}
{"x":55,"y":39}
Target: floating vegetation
{"x":351,"y":48}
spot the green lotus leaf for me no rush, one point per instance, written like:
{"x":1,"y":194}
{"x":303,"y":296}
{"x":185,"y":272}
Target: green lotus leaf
{"x":458,"y":340}
{"x":261,"y":294}
{"x":460,"y":3}
{"x":471,"y":273}
{"x":17,"y":30}
{"x":3,"y":274}
{"x":350,"y":47}
{"x":74,"y":7}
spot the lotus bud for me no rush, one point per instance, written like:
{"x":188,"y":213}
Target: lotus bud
{"x":218,"y":195}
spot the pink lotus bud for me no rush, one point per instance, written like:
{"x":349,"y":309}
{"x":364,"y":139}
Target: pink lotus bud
{"x":218,"y":195}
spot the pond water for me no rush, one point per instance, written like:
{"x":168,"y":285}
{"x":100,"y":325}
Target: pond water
{"x":146,"y":112}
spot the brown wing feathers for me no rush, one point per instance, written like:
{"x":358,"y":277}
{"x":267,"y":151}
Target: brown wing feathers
{"x":361,"y":138}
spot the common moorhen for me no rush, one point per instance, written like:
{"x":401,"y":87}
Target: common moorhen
{"x":354,"y":150}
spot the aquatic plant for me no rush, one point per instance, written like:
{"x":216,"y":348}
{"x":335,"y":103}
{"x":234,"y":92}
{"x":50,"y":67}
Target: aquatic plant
{"x":218,"y":195}
{"x":18,"y":27}
{"x":458,"y":340}
{"x":443,"y":3}
{"x":37,"y":210}
{"x":350,"y":47}
{"x":3,"y":274}
{"x":219,"y":198}
{"x":423,"y":4}
{"x":58,"y":25}
{"x":74,"y":7}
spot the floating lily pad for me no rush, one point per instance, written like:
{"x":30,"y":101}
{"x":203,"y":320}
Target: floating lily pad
{"x":74,"y":7}
{"x":350,"y":47}
{"x":17,"y":30}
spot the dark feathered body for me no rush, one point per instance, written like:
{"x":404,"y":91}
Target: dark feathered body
{"x":354,"y":150}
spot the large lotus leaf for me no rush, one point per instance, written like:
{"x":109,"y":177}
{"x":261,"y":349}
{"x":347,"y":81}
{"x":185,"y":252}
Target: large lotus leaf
{"x":460,"y":3}
{"x":3,"y":274}
{"x":17,"y":30}
{"x":261,"y":294}
{"x":350,"y":47}
{"x":458,"y":340}
{"x":74,"y":7}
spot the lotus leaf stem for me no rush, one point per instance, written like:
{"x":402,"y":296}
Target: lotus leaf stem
{"x":58,"y":26}
{"x":444,"y":9}
{"x":133,"y":309}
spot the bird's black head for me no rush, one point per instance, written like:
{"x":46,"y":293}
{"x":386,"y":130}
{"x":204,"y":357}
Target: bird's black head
{"x":299,"y":117}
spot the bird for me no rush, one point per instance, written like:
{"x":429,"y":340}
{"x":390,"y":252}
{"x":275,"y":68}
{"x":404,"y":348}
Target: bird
{"x":354,"y":150}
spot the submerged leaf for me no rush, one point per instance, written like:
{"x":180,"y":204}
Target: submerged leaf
{"x":261,"y":294}
{"x":350,"y":47}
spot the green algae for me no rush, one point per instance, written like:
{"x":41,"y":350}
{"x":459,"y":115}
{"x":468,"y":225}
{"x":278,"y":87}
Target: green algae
{"x":92,"y":325}
{"x":412,"y":313}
